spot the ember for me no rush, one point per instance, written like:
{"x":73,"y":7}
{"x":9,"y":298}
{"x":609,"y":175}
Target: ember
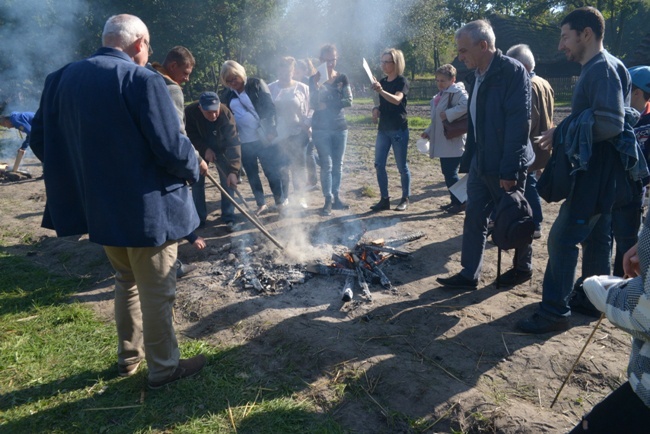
{"x":364,"y":263}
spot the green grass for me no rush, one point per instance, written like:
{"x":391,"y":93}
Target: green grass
{"x":58,"y":374}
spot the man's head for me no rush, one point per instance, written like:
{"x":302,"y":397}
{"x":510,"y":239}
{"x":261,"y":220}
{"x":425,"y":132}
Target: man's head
{"x":129,"y":34}
{"x":522,"y":53}
{"x":640,"y":86}
{"x":210,"y":105}
{"x":6,"y":122}
{"x":476,"y":44}
{"x":581,"y":34}
{"x":179,"y":64}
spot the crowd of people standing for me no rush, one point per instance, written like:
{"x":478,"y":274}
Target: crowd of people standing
{"x":167,"y":146}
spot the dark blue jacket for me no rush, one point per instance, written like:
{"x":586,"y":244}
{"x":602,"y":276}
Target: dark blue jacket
{"x":501,"y":143}
{"x":115,"y":163}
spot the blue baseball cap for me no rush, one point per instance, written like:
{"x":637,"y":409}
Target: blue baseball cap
{"x":209,"y":101}
{"x":641,"y":77}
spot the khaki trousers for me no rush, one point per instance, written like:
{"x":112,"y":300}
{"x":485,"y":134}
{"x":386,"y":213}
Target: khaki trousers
{"x":145,"y":289}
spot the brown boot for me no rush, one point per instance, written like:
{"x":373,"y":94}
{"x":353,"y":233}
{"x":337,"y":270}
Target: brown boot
{"x":186,"y":368}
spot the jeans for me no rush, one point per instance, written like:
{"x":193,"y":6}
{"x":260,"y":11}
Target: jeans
{"x":310,"y":162}
{"x":563,"y":239}
{"x":269,"y":158}
{"x":535,"y":202}
{"x":330,"y":145}
{"x":399,"y":141}
{"x":483,"y":192}
{"x":449,"y":168}
{"x":198,"y":195}
{"x":293,"y":170}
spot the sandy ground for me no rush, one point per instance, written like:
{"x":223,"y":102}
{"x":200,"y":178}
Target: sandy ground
{"x":417,"y":358}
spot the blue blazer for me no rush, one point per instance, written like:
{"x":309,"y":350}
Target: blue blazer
{"x":114,"y":161}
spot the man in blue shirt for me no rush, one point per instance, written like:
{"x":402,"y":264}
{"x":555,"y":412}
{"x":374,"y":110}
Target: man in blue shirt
{"x":600,"y":178}
{"x":22,"y":121}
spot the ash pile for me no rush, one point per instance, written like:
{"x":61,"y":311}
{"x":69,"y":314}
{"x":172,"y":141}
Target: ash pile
{"x":256,"y":267}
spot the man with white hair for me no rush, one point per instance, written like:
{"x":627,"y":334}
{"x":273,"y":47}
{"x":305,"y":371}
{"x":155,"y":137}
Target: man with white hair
{"x":497,"y":152}
{"x":117,"y":167}
{"x":542,"y":100}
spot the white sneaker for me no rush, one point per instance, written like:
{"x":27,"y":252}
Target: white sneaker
{"x":302,"y":202}
{"x":261,"y":209}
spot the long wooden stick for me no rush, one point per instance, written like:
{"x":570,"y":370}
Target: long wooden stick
{"x":593,"y":332}
{"x":243,"y":211}
{"x":239,"y":195}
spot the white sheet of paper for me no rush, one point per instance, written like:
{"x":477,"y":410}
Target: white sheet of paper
{"x":459,"y":189}
{"x":322,"y":68}
{"x":367,"y":68}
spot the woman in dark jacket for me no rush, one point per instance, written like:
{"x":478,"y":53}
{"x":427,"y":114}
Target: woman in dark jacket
{"x":250,"y":101}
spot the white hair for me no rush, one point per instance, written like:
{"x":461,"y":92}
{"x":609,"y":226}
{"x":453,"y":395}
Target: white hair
{"x":120,"y":31}
{"x":479,"y":30}
{"x":522,"y":53}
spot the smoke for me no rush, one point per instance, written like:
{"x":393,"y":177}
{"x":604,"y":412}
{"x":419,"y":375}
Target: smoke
{"x":38,"y":37}
{"x":358,"y":28}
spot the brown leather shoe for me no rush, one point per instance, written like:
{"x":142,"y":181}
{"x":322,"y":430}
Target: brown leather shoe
{"x":128,"y":370}
{"x":186,"y":368}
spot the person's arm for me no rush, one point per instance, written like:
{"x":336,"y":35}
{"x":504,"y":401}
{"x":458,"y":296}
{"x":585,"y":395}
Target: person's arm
{"x":459,"y":109}
{"x":194,"y":117}
{"x":228,"y":139}
{"x":395,"y":99}
{"x":606,"y":99}
{"x":516,"y":125}
{"x":266,"y":110}
{"x":160,"y":126}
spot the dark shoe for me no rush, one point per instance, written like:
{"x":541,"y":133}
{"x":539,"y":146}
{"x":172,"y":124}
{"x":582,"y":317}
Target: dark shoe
{"x":403,"y":204}
{"x":230,"y":227}
{"x":339,"y":204}
{"x":186,"y":368}
{"x":581,"y":304}
{"x":127,"y":370}
{"x":456,"y":209}
{"x":447,"y":206}
{"x":327,"y":209}
{"x":458,"y":281}
{"x":184,"y":269}
{"x":537,"y":234}
{"x":514,"y":277}
{"x":382,"y":205}
{"x":538,"y":325}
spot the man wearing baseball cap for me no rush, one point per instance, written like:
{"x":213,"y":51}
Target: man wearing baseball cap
{"x":211,"y":127}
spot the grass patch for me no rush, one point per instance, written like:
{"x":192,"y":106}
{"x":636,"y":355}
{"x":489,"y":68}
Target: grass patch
{"x":359,"y":119}
{"x":417,"y":122}
{"x":58,"y":374}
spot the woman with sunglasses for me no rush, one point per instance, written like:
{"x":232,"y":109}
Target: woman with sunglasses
{"x":393,"y":128}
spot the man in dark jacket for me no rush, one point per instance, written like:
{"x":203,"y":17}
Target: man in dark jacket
{"x":117,"y":168}
{"x":211,"y":127}
{"x":497,"y":151}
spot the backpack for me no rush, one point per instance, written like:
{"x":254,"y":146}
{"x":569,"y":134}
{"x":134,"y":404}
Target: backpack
{"x":513,"y":222}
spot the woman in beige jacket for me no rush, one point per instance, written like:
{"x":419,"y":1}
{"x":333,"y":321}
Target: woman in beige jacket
{"x":449,"y":104}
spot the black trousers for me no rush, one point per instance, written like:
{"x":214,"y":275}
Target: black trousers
{"x":622,"y":411}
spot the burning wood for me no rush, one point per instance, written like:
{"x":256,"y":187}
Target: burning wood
{"x":364,"y":263}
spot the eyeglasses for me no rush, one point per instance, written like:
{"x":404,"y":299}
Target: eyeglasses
{"x":231,"y":80}
{"x":387,"y":62}
{"x":150,"y":51}
{"x":330,"y":60}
